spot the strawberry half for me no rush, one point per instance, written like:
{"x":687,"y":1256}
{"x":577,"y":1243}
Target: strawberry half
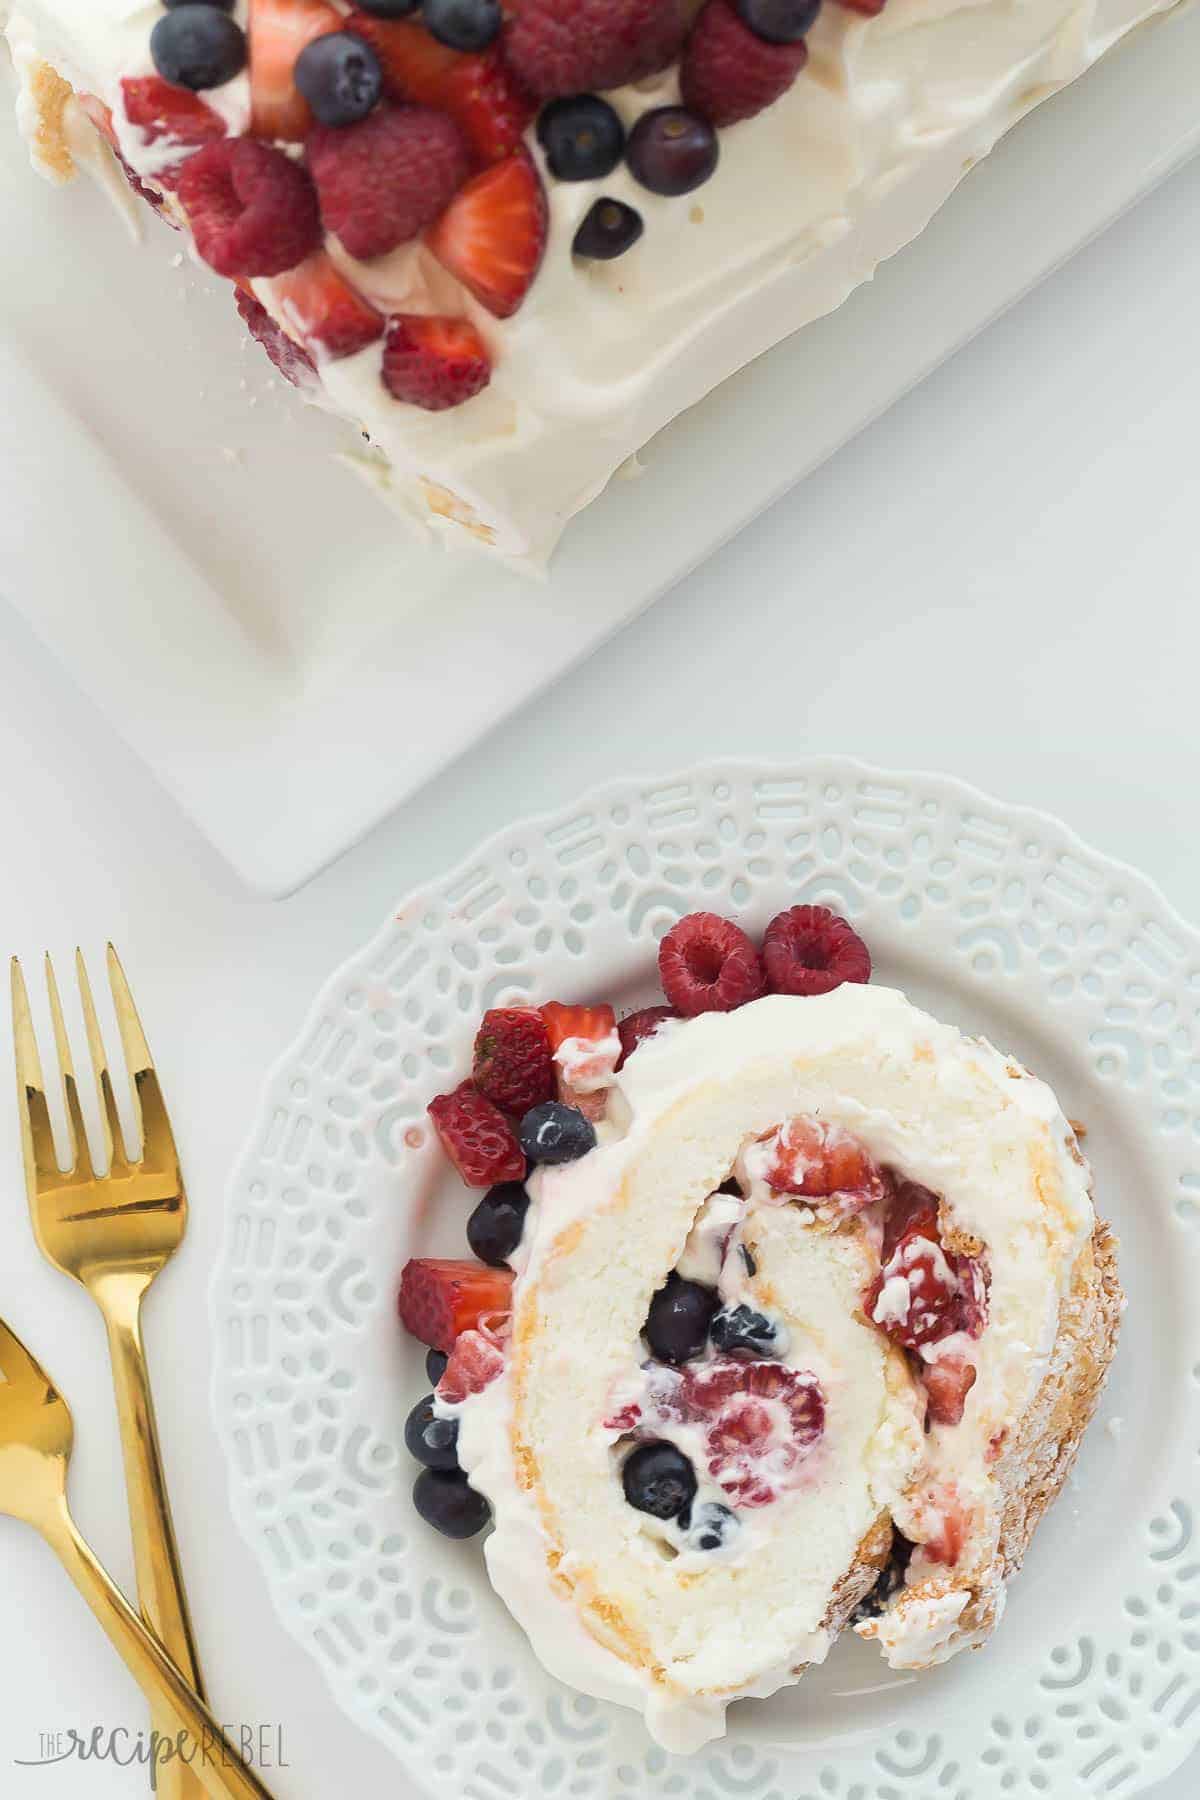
{"x":477,"y":1138}
{"x":440,"y":1298}
{"x":321,"y":308}
{"x":163,"y":111}
{"x":478,"y":91}
{"x":475,"y":1361}
{"x":278,"y":31}
{"x":514,"y":1065}
{"x":948,"y":1381}
{"x":583,"y":1074}
{"x":493,"y":234}
{"x":435,"y":363}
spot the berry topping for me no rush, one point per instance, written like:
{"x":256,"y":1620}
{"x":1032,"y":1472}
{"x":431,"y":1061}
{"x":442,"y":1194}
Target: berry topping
{"x":708,"y":964}
{"x":450,"y":1504}
{"x":709,"y":1527}
{"x":810,"y":950}
{"x":779,"y":21}
{"x":252,"y":210}
{"x":586,"y":1049}
{"x":475,"y":1360}
{"x":463,"y":24}
{"x":162,"y":111}
{"x":440,"y":1298}
{"x":639,"y":1026}
{"x":677,"y":1323}
{"x":479,"y":92}
{"x":279,"y":31}
{"x":514,"y":1058}
{"x":740,"y":1331}
{"x":582,"y":136}
{"x":570,"y":46}
{"x":381,"y":181}
{"x":672,"y":151}
{"x":608,"y":230}
{"x":435,"y":1365}
{"x":494,"y":1228}
{"x":340,"y":77}
{"x":197,"y":46}
{"x":431,"y":1440}
{"x":923,"y":1293}
{"x":554,"y":1133}
{"x":948,"y":1381}
{"x":761,"y":1420}
{"x":433,"y":362}
{"x":477,"y":1138}
{"x":728,"y":73}
{"x":493,"y":235}
{"x":320,"y":306}
{"x":946,"y":1524}
{"x":815,"y":1161}
{"x":658,"y":1479}
{"x":587,"y":1024}
{"x":292,"y":360}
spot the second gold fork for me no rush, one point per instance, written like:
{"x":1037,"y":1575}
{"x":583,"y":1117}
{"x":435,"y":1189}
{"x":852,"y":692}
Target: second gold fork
{"x":113,"y":1232}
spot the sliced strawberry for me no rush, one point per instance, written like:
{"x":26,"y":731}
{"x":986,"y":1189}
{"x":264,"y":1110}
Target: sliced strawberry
{"x":493,"y":234}
{"x":321,"y":308}
{"x":477,"y":1138}
{"x":948,"y":1381}
{"x":588,"y":1022}
{"x":279,"y":30}
{"x":163,"y":111}
{"x":586,"y":1049}
{"x":478,"y":91}
{"x":475,"y":1361}
{"x":440,"y":1298}
{"x":816,"y":1161}
{"x":513,"y":1066}
{"x":947,"y":1526}
{"x":434,"y":362}
{"x":870,"y":7}
{"x":101,"y":117}
{"x":923,"y":1292}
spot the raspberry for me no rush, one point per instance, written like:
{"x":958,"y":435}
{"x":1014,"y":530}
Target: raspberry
{"x":384,"y":179}
{"x":251,"y":209}
{"x":638,"y":1027}
{"x":923,"y":1292}
{"x":477,"y":1138}
{"x":292,"y":360}
{"x":760,"y":1420}
{"x":513,"y":1066}
{"x":948,"y":1381}
{"x":440,"y":1298}
{"x":728,"y":74}
{"x":822,"y":1162}
{"x":708,"y":964}
{"x":572,"y":46}
{"x":810,"y":950}
{"x":434,"y":362}
{"x":474,"y":1362}
{"x":479,"y":92}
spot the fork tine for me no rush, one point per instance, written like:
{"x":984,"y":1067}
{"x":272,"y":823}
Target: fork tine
{"x":16,"y":1364}
{"x":158,"y":1142}
{"x":76,"y":1129}
{"x":37,"y":1137}
{"x":114,"y":1137}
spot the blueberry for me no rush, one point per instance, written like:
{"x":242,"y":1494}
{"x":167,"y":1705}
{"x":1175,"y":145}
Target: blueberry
{"x":582,"y":136}
{"x":672,"y":150}
{"x":740,"y":1331}
{"x":709,"y":1527}
{"x":494,"y":1228}
{"x":554,"y":1133}
{"x":463,"y":24}
{"x":388,"y":9}
{"x":678,"y":1320}
{"x":435,"y":1365}
{"x":340,"y":77}
{"x":610,"y":229}
{"x":449,"y":1503}
{"x":779,"y":21}
{"x":658,"y":1479}
{"x":196,"y":46}
{"x":431,"y":1440}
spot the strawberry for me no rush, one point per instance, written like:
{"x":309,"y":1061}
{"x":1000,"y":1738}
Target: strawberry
{"x":441,"y":1298}
{"x":292,"y":360}
{"x":477,"y":1138}
{"x":573,"y":46}
{"x":478,"y":91}
{"x":948,"y":1381}
{"x":589,"y":1022}
{"x":252,"y":210}
{"x":514,"y":1066}
{"x":947,"y":1523}
{"x":321,"y":308}
{"x":382,"y":180}
{"x":474,"y":1362}
{"x":161,"y":110}
{"x":924,"y":1293}
{"x":586,"y":1050}
{"x":635,"y":1029}
{"x":817,"y":1161}
{"x":434,"y":362}
{"x":493,"y":234}
{"x":279,"y":30}
{"x":870,"y":7}
{"x":728,"y":73}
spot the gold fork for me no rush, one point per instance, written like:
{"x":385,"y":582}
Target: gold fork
{"x":36,"y":1435}
{"x":113,"y":1232}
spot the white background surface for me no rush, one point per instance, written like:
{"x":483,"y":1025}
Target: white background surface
{"x":999,"y":579}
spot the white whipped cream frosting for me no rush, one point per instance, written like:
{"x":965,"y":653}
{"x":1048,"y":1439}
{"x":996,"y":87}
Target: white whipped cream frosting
{"x":808,"y":199}
{"x":947,"y":1111}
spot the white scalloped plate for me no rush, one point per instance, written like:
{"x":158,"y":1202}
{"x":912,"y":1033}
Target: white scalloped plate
{"x":992,"y":916}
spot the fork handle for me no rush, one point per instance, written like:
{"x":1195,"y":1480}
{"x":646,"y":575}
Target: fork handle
{"x":215,"y":1762}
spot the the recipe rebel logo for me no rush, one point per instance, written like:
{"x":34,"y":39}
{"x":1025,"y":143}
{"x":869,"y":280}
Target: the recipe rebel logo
{"x":254,"y":1746}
